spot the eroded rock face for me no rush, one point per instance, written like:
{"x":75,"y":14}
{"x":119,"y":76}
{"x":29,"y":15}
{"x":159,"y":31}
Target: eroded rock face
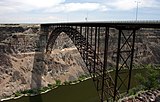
{"x":148,"y":96}
{"x":147,"y":46}
{"x":25,"y":65}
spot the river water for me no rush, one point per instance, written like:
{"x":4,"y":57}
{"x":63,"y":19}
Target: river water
{"x":82,"y":92}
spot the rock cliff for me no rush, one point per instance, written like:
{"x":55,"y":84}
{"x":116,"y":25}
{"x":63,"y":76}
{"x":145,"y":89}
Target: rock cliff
{"x":25,"y":65}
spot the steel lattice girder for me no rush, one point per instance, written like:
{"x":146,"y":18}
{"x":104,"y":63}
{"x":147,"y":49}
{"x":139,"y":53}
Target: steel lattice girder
{"x":105,"y":85}
{"x":124,"y":59}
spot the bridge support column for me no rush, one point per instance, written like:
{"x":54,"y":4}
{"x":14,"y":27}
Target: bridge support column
{"x":105,"y":65}
{"x":124,"y":60}
{"x":44,"y":34}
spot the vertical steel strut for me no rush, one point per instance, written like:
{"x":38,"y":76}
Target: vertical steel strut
{"x":124,"y":60}
{"x":88,"y":41}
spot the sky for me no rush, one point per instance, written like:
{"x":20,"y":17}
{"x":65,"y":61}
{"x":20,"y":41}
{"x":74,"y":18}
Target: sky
{"x":53,"y":11}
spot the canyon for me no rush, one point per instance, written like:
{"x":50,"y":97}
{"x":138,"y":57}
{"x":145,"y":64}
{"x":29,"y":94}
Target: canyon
{"x":24,"y":64}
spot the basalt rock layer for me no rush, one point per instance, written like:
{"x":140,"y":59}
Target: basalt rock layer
{"x":24,"y":63}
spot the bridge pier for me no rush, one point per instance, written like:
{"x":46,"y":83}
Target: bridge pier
{"x":124,"y":59}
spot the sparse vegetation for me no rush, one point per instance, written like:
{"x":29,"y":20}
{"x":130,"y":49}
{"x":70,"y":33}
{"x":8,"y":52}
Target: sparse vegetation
{"x":82,"y":77}
{"x":148,"y":80}
{"x":151,"y":78}
{"x":49,"y":87}
{"x":67,"y":83}
{"x":58,"y":82}
{"x":18,"y":93}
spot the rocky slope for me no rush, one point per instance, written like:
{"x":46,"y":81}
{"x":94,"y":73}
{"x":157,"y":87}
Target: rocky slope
{"x":25,"y":65}
{"x":147,"y":96}
{"x":147,"y":45}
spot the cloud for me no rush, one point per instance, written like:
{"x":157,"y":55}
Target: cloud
{"x":82,"y":6}
{"x":131,"y":4}
{"x":21,"y":6}
{"x":37,"y":3}
{"x":11,"y":9}
{"x":30,"y":19}
{"x":46,"y":6}
{"x":73,"y":7}
{"x":52,"y":6}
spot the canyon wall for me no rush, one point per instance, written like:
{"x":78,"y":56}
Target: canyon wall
{"x":25,"y":65}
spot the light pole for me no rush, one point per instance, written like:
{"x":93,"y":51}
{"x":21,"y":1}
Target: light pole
{"x":137,"y":2}
{"x":67,"y":17}
{"x":86,"y":18}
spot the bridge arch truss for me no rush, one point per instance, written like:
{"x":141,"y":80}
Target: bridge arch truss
{"x":93,"y":40}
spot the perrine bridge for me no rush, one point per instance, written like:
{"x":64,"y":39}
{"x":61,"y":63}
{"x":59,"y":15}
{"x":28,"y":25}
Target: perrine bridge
{"x":92,"y":41}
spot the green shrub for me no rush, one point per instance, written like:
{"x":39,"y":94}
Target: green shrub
{"x":58,"y":82}
{"x":50,"y":86}
{"x":75,"y":81}
{"x":67,"y":83}
{"x":17,"y":94}
{"x":151,"y":78}
{"x":147,"y":80}
{"x":30,"y":91}
{"x":24,"y":92}
{"x":82,"y":77}
{"x":134,"y":90}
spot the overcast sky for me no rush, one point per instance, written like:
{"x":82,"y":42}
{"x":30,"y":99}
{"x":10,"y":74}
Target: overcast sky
{"x":42,"y":11}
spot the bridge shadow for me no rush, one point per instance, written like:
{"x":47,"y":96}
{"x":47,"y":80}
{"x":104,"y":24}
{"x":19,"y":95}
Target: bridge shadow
{"x":39,"y":58}
{"x":38,"y":69}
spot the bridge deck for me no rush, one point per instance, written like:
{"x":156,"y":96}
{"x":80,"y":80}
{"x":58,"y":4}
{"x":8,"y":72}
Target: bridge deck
{"x":137,"y":24}
{"x":87,"y":37}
